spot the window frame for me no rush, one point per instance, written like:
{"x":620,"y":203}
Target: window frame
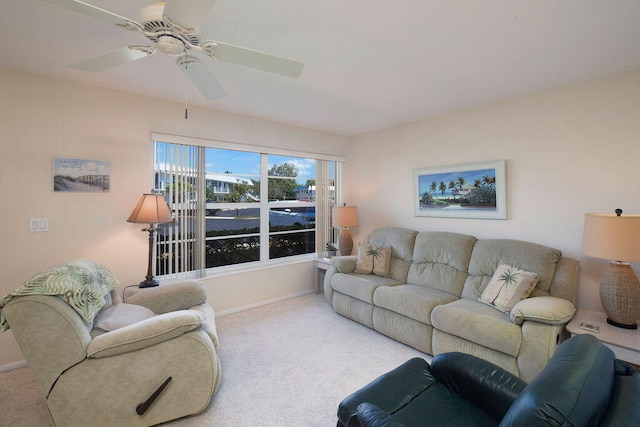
{"x":323,"y":229}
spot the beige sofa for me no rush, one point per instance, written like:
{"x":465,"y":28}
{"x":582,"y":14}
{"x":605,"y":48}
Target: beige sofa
{"x":429,"y":300}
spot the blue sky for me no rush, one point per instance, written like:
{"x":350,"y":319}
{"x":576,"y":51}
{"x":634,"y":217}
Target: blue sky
{"x":78,"y":167}
{"x":248,"y":164}
{"x":469,"y":178}
{"x":245,"y":164}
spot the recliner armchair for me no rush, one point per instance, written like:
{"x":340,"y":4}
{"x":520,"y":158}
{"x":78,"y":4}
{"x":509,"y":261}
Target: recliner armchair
{"x":582,"y":385}
{"x":139,"y":363}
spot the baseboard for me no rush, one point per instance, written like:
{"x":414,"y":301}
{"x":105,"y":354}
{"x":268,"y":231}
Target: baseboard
{"x":266,"y":302}
{"x":14,"y":365}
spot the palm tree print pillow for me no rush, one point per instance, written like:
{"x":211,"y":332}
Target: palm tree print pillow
{"x":373,"y":259}
{"x":508,"y":286}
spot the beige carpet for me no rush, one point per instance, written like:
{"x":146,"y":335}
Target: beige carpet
{"x":284,"y":364}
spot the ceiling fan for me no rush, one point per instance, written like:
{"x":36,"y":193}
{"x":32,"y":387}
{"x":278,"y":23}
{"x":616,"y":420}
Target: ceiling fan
{"x":172,"y":27}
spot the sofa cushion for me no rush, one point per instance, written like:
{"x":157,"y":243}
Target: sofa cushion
{"x":360,"y":286}
{"x":508,"y":286}
{"x":121,"y":315}
{"x":413,"y":301}
{"x":488,"y":254}
{"x":441,"y":260}
{"x":478,"y":323}
{"x":412,"y":396}
{"x":373,"y":259}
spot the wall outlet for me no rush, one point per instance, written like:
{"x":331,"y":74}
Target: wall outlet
{"x":38,"y":225}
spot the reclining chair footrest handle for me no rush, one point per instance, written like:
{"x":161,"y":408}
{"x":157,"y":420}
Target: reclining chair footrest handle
{"x":142,"y":408}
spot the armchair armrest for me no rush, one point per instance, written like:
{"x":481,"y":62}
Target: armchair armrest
{"x":545,"y":309}
{"x":345,"y":264}
{"x":170,"y":297}
{"x":369,"y":415}
{"x":145,"y":333}
{"x":488,"y":386}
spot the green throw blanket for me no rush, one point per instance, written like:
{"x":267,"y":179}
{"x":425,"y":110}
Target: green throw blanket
{"x":83,"y":284}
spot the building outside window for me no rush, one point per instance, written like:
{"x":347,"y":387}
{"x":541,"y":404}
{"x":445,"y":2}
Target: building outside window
{"x":238,"y":206}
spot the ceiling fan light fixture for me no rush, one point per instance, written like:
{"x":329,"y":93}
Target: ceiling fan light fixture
{"x":170,"y":45}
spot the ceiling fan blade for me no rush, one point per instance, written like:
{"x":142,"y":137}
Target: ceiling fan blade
{"x":189,"y":14}
{"x":201,"y":77}
{"x":110,"y":59}
{"x":94,"y":12}
{"x":254,"y":59}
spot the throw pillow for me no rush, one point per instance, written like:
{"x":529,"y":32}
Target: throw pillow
{"x":120,"y":315}
{"x":373,"y":259}
{"x":508,"y":286}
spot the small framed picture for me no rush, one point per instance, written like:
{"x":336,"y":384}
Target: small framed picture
{"x":80,"y":175}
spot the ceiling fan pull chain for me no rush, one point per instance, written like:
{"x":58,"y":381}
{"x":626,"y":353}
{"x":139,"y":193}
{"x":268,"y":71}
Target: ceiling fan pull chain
{"x":186,"y":89}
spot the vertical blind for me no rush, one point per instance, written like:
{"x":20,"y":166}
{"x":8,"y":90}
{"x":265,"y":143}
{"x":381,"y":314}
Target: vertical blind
{"x":179,"y":248}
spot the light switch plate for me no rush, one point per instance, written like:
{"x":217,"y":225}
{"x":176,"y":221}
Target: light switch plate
{"x":38,"y":225}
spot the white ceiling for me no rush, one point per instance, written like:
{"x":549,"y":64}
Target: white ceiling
{"x":369,"y":64}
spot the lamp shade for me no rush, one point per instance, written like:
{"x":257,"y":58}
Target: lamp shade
{"x":151,"y":209}
{"x":612,"y":237}
{"x":344,"y":216}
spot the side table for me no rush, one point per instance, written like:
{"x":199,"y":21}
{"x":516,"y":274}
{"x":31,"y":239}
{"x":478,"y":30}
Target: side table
{"x":322,"y":265}
{"x":625,"y":343}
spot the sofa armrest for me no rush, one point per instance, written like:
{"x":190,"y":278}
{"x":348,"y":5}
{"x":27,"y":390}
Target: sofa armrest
{"x":345,"y":264}
{"x":389,"y":392}
{"x":145,"y":333}
{"x":488,"y":386}
{"x":545,"y":309}
{"x":170,"y":297}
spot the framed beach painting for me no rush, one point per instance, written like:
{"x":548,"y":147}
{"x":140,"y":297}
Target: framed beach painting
{"x":476,"y":190}
{"x":80,"y":175}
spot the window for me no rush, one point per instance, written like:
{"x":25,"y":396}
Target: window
{"x":236,"y":204}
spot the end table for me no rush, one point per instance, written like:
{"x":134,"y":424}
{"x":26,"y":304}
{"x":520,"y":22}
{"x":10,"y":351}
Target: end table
{"x":322,"y":265}
{"x":625,"y":343}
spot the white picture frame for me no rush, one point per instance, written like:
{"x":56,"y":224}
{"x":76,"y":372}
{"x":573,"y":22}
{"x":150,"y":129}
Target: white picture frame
{"x":474,"y":190}
{"x":81,"y":175}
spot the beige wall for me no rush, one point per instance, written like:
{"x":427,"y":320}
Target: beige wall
{"x":45,"y":118}
{"x":569,"y":151}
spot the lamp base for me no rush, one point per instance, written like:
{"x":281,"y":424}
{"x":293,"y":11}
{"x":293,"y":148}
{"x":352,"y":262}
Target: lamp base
{"x":345,"y":242}
{"x":621,"y":325}
{"x":620,"y":295}
{"x":149,"y":283}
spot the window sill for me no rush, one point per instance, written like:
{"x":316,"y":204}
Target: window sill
{"x":248,"y":267}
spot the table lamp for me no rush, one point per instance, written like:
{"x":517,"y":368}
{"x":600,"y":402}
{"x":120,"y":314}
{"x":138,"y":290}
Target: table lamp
{"x":344,"y":217}
{"x":616,"y":237}
{"x":151,"y":209}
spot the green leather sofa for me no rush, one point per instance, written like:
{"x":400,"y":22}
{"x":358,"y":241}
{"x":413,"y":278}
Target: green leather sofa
{"x":582,"y":385}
